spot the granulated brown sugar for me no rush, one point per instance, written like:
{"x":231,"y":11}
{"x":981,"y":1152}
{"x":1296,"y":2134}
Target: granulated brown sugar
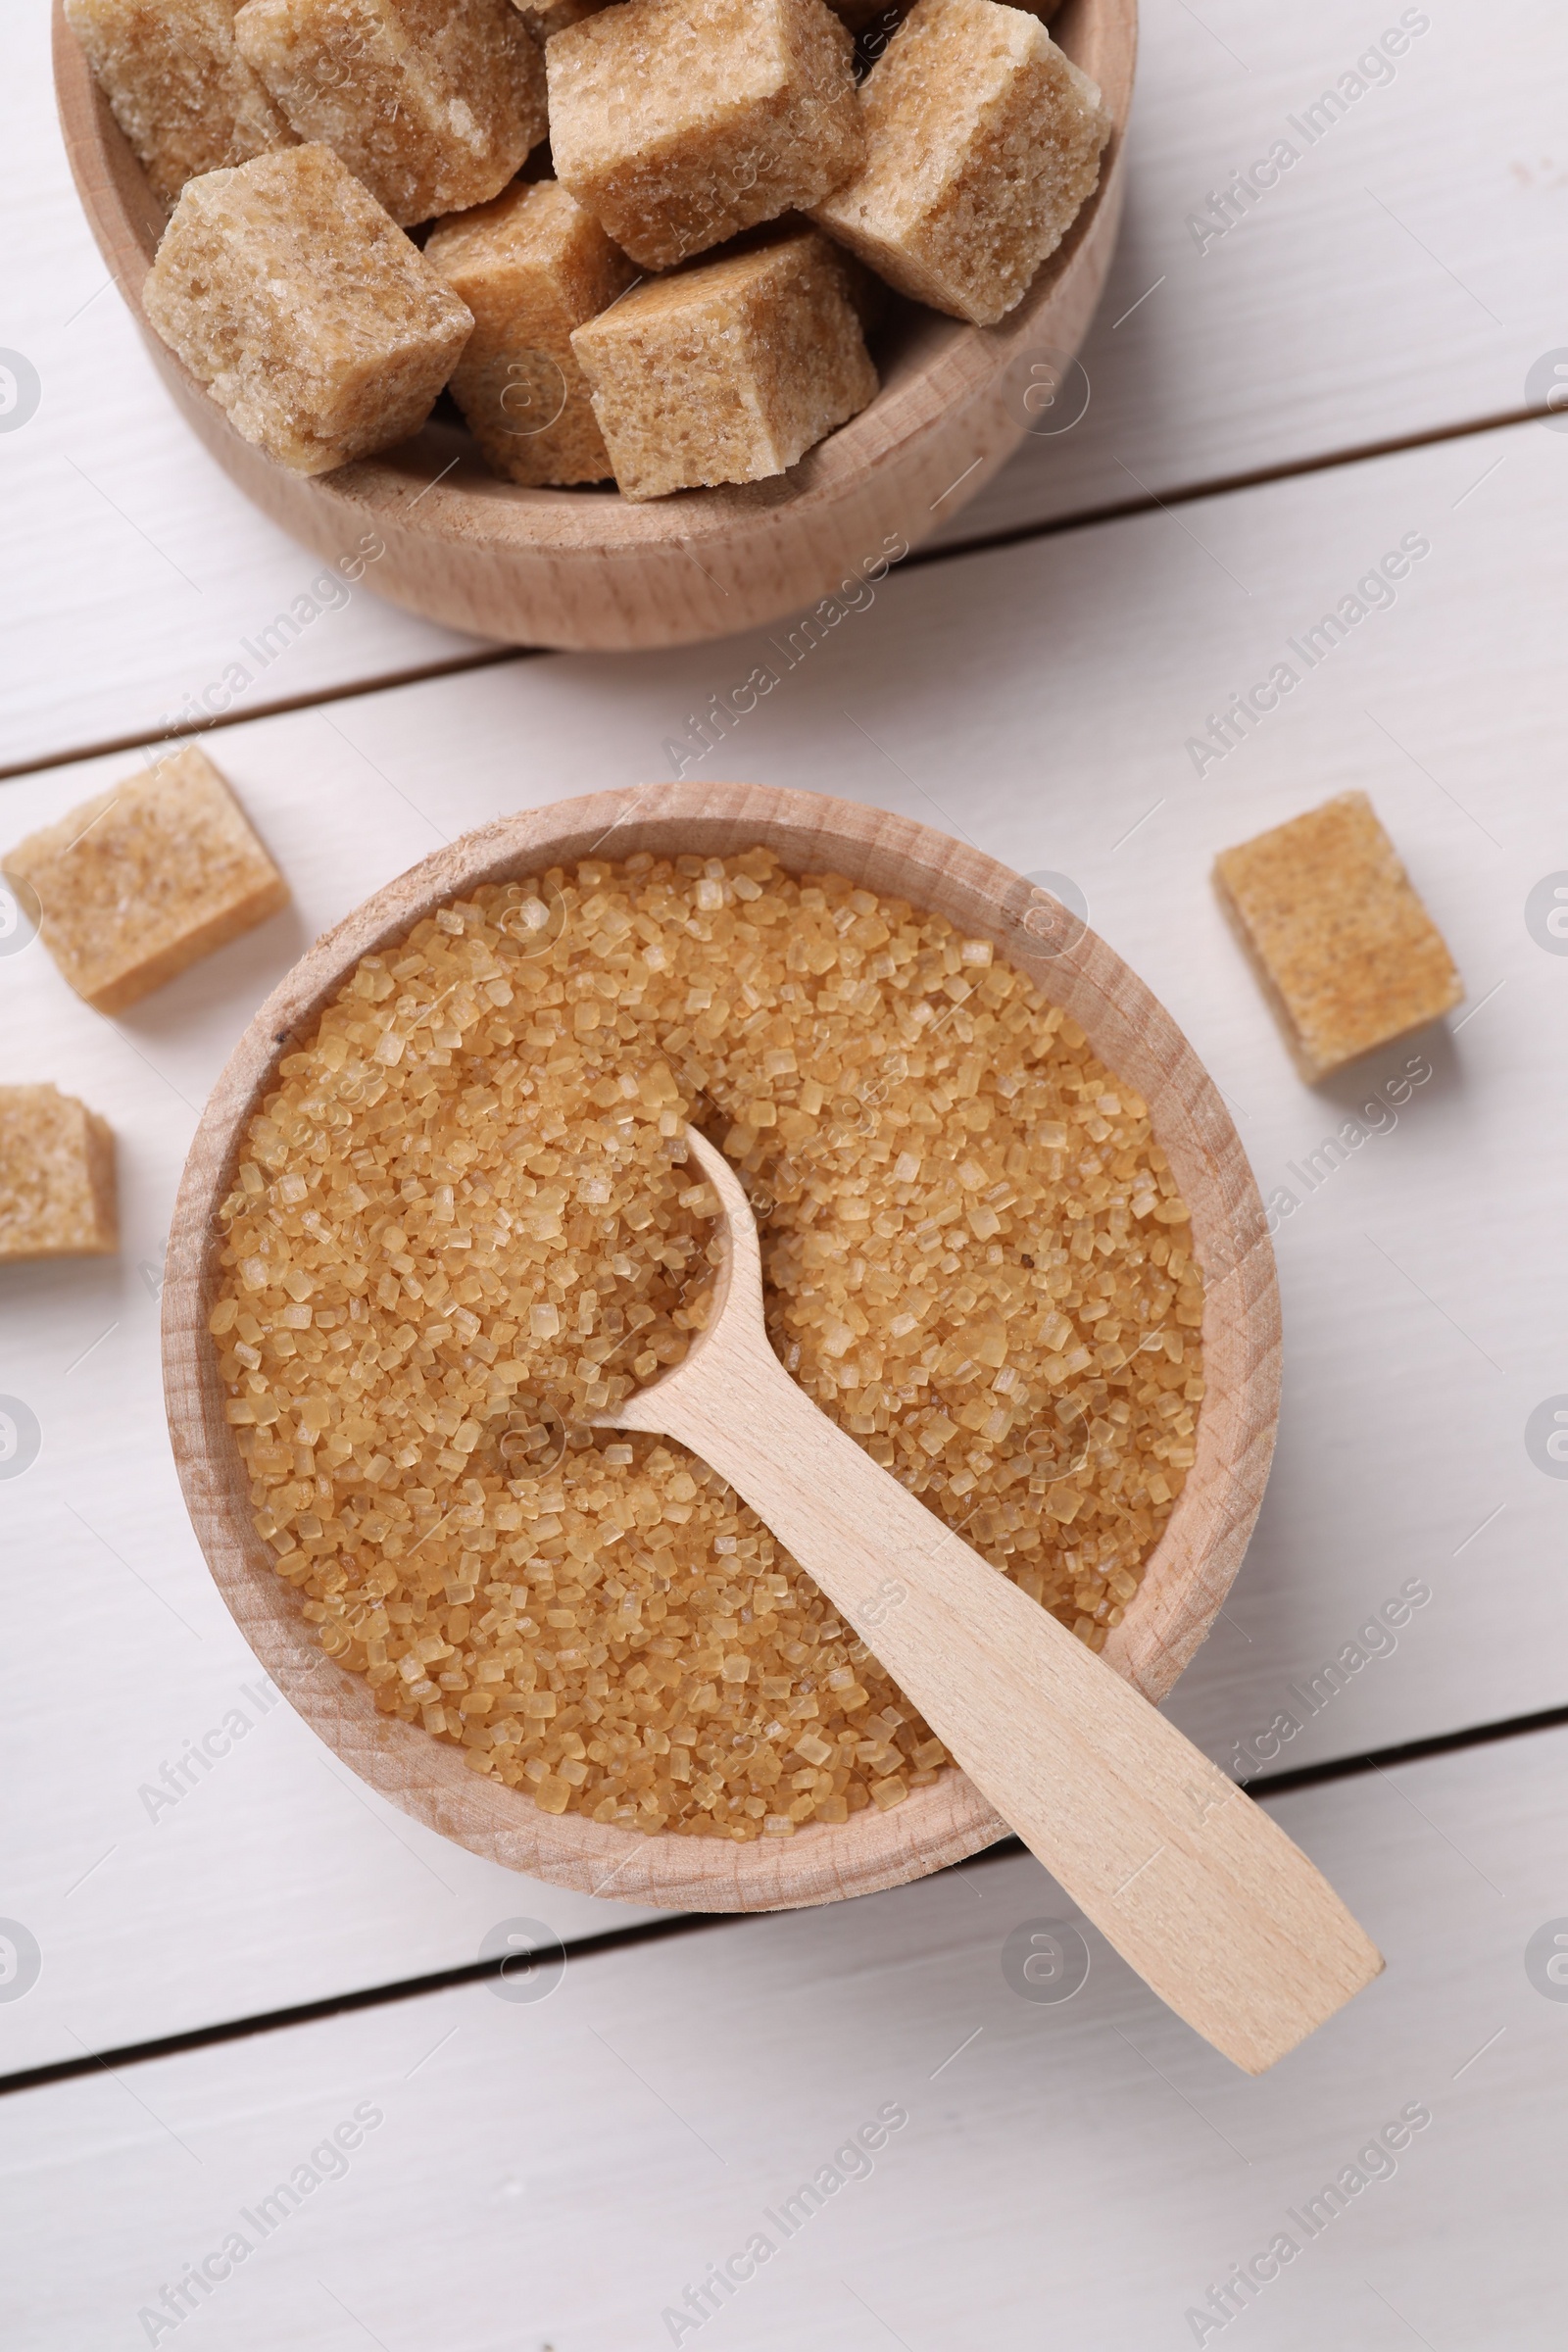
{"x":465,"y":1225}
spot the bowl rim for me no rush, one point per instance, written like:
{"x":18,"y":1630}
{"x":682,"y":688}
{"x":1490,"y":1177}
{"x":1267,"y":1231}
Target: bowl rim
{"x":1187,"y":1576}
{"x":944,"y":364}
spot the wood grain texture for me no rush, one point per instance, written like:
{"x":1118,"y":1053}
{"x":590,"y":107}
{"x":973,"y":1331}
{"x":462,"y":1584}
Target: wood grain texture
{"x":1188,"y":1573}
{"x":1073,"y":2173}
{"x":593,"y":569}
{"x":1196,"y":1887}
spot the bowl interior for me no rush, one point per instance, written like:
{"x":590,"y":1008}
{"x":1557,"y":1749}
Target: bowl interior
{"x":1187,"y":1576}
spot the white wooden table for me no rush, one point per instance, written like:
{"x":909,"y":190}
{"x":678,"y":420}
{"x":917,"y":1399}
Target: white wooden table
{"x":1365,"y":355}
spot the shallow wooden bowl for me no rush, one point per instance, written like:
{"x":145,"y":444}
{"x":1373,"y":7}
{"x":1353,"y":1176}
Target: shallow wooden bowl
{"x":589,"y":569}
{"x":1190,"y":1571}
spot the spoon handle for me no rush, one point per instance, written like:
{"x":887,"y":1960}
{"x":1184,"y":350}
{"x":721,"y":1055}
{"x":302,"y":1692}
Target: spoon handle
{"x":1196,"y":1887}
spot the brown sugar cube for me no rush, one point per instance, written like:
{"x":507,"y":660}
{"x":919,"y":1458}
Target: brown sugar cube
{"x":983,"y":143}
{"x":678,"y":122}
{"x":177,"y":85}
{"x":727,"y":372}
{"x":531,"y":265}
{"x":1347,"y":955}
{"x":142,"y":881}
{"x":57,"y":1177}
{"x":304,"y":310}
{"x":432,"y":104}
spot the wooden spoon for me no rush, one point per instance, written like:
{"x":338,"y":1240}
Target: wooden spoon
{"x":1195,"y":1886}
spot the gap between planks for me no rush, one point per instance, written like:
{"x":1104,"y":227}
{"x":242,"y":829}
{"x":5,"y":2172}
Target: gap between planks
{"x":949,"y":551}
{"x":702,"y":1923}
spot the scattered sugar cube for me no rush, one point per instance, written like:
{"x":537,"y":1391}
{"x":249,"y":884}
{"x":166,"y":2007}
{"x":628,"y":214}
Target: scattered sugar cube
{"x":177,"y":85}
{"x":434,"y":106}
{"x":305,"y":311}
{"x":1347,"y":955}
{"x":57,"y":1177}
{"x":679,"y":125}
{"x":983,"y":141}
{"x":727,"y":372}
{"x":142,"y":881}
{"x":531,"y":265}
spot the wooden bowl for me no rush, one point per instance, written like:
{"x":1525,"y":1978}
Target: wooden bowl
{"x":1190,"y":1569}
{"x":589,"y":569}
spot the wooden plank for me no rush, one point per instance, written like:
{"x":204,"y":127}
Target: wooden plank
{"x":1037,"y":701}
{"x":565,"y":2171}
{"x":137,"y":574}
